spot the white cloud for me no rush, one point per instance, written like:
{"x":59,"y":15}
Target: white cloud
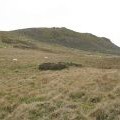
{"x":100,"y":17}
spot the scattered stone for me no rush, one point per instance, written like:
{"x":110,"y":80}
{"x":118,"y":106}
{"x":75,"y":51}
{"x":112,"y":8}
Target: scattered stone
{"x":46,"y":57}
{"x":15,"y":59}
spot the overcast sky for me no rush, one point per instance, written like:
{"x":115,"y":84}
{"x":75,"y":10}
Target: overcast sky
{"x":100,"y":17}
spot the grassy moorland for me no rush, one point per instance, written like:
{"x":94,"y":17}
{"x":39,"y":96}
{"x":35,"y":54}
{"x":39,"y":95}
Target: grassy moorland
{"x":90,"y":92}
{"x":87,"y":92}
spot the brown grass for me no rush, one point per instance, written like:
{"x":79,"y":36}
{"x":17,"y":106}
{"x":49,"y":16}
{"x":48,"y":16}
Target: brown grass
{"x":87,"y":93}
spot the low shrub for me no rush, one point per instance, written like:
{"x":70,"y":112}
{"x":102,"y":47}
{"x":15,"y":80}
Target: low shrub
{"x":57,"y":66}
{"x":52,"y":66}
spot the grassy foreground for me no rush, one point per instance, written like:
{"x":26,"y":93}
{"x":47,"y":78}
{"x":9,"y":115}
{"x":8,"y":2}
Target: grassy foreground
{"x":91,"y":92}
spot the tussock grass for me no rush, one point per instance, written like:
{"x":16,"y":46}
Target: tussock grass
{"x":78,"y":93}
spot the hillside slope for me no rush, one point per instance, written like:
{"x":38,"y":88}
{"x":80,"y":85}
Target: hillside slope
{"x":90,"y":91}
{"x":60,"y":36}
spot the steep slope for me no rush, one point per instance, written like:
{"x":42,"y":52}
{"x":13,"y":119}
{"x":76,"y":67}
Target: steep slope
{"x":68,"y":38}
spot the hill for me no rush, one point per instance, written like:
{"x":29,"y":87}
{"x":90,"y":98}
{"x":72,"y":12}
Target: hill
{"x":88,"y":88}
{"x":60,"y":36}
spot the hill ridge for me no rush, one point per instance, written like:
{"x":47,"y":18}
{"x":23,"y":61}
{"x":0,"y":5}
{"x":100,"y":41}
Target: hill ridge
{"x":63,"y":36}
